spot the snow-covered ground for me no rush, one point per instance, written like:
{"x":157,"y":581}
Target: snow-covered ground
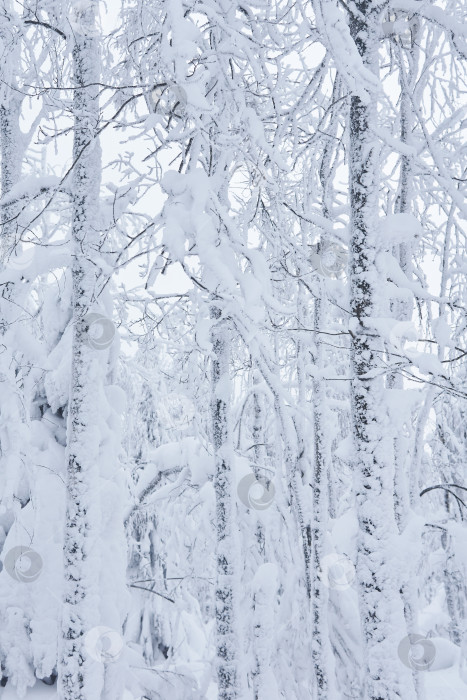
{"x":43,"y":692}
{"x":440,"y":685}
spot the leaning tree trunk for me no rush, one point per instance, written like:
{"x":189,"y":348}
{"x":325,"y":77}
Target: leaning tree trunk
{"x":80,"y":673}
{"x":226,"y":622}
{"x":381,"y":610}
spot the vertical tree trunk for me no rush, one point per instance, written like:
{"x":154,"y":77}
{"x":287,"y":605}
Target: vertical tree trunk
{"x":380,"y":607}
{"x":227,"y":642}
{"x":264,"y":594}
{"x":403,"y":310}
{"x":11,"y":406}
{"x":80,"y":675}
{"x":321,"y":650}
{"x":11,"y":153}
{"x":262,"y":614}
{"x":302,"y":471}
{"x":12,"y":147}
{"x":10,"y":133}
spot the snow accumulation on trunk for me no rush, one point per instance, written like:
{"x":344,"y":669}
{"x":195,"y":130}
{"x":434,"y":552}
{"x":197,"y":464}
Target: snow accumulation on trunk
{"x":228,"y":649}
{"x":12,"y":152}
{"x":77,"y":679}
{"x":379,"y":599}
{"x":88,"y":639}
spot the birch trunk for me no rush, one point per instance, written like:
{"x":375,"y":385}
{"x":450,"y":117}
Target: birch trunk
{"x":379,"y":600}
{"x":404,"y":312}
{"x":264,"y":594}
{"x":226,"y":604}
{"x":11,"y":154}
{"x":81,"y":676}
{"x":321,"y":649}
{"x":12,"y":418}
{"x":262,"y":607}
{"x":12,"y":149}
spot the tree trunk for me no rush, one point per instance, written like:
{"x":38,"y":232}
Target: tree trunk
{"x":12,"y":147}
{"x":12,"y":418}
{"x":321,"y":649}
{"x":81,"y":675}
{"x":226,"y":595}
{"x":379,"y":600}
{"x":403,"y":311}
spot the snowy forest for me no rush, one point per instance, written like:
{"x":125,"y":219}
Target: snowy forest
{"x":233,"y":360}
